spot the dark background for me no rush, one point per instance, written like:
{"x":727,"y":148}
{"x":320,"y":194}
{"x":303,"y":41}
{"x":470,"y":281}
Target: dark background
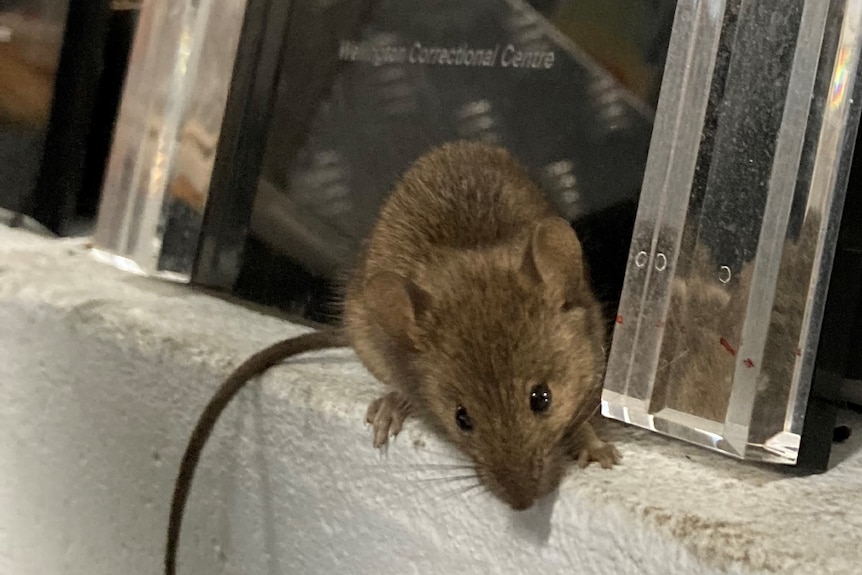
{"x":337,"y":135}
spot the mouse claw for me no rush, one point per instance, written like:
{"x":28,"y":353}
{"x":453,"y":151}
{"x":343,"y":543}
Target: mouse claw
{"x":387,"y":414}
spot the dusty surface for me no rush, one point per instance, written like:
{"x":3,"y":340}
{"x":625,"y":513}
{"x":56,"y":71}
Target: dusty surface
{"x":102,"y":374}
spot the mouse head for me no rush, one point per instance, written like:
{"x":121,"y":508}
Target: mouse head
{"x":506,"y":353}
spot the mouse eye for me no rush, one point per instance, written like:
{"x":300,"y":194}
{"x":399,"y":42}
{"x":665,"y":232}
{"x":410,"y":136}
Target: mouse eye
{"x":462,"y":419}
{"x":540,"y":398}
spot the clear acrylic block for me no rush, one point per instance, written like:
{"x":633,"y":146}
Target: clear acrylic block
{"x":158,"y":177}
{"x":737,"y":223}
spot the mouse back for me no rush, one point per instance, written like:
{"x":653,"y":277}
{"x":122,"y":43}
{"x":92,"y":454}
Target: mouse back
{"x":462,"y":195}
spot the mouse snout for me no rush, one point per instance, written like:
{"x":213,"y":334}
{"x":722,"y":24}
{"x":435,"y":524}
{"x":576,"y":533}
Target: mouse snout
{"x":520,"y":483}
{"x":521,"y":503}
{"x":519,"y":491}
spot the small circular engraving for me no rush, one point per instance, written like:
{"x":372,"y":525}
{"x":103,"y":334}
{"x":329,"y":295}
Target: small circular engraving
{"x":660,"y":262}
{"x":641,"y":259}
{"x":724,"y":274}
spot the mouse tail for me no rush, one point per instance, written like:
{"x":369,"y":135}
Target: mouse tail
{"x":251,"y":367}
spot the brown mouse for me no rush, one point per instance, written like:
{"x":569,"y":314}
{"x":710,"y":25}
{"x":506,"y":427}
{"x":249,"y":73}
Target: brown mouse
{"x":473,"y":303}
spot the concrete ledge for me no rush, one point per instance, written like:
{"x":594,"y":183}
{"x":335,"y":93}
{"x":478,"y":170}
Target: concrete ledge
{"x":102,"y":375}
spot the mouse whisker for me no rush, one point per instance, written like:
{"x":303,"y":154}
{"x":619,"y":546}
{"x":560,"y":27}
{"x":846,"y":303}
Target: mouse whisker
{"x":447,"y":456}
{"x":475,"y":489}
{"x":414,"y":466}
{"x":438,"y":488}
{"x":451,"y":471}
{"x":475,"y":493}
{"x":430,"y":474}
{"x":457,"y":492}
{"x":581,"y":415}
{"x":441,"y":466}
{"x":452,"y":478}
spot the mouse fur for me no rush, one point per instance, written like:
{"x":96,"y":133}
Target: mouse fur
{"x":470,"y":293}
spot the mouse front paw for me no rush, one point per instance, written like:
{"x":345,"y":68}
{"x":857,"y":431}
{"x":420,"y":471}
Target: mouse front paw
{"x":386,"y":414}
{"x":605,"y":454}
{"x":587,"y":447}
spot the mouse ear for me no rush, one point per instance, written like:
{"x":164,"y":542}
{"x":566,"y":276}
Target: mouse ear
{"x":394,"y":303}
{"x":554,"y":259}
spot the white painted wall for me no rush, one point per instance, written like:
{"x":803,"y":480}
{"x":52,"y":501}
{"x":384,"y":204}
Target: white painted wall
{"x":102,"y":375}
